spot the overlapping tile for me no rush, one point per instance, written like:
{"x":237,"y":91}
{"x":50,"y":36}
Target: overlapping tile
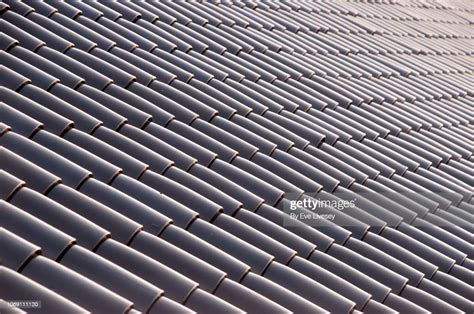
{"x":151,"y":151}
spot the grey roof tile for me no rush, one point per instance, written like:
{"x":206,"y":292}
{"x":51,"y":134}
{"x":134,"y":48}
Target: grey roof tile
{"x":244,"y":251}
{"x":91,"y":76}
{"x":223,"y":151}
{"x":263,"y":145}
{"x":79,"y":41}
{"x":64,"y":8}
{"x":454,"y":284}
{"x":353,"y":219}
{"x":82,"y":120}
{"x":427,"y":300}
{"x":248,"y":198}
{"x":446,"y":222}
{"x":101,"y":169}
{"x":247,"y":299}
{"x":86,"y":232}
{"x":12,"y":79}
{"x":377,"y":271}
{"x":170,"y":106}
{"x":217,"y":70}
{"x":50,"y":300}
{"x":109,"y":117}
{"x":323,"y":125}
{"x":87,"y":10}
{"x":445,"y":236}
{"x":401,"y":304}
{"x":206,"y":251}
{"x":84,"y":292}
{"x":18,"y":121}
{"x":281,"y":253}
{"x":153,"y":160}
{"x":401,"y":253}
{"x":280,"y":130}
{"x":203,"y":41}
{"x":89,"y":23}
{"x":21,"y":7}
{"x":70,"y":173}
{"x":414,"y":277}
{"x":179,"y":158}
{"x":158,"y":115}
{"x":51,"y":39}
{"x":151,"y":220}
{"x":462,"y":273}
{"x":127,"y":12}
{"x":130,"y":165}
{"x":331,"y":281}
{"x":111,"y":71}
{"x":211,"y":101}
{"x":7,"y":42}
{"x":145,"y":34}
{"x":16,"y":252}
{"x":169,"y":41}
{"x":376,"y":307}
{"x":247,"y":180}
{"x":146,"y":11}
{"x":439,"y":259}
{"x":388,"y":206}
{"x":208,"y":277}
{"x":187,"y":147}
{"x":177,"y":286}
{"x":281,"y":295}
{"x":266,"y":175}
{"x":434,"y":243}
{"x":201,"y":109}
{"x":246,"y":96}
{"x":292,"y":123}
{"x":328,"y":182}
{"x":66,"y":77}
{"x":35,"y":75}
{"x":403,"y":197}
{"x":111,"y":276}
{"x":368,"y":101}
{"x":9,"y":185}
{"x":469,"y":264}
{"x":378,"y":291}
{"x":255,"y":92}
{"x":229,"y":204}
{"x":131,"y":64}
{"x":107,"y":12}
{"x":122,"y":228}
{"x":181,"y":215}
{"x":206,"y":209}
{"x":359,"y":170}
{"x":134,"y":116}
{"x":201,"y":301}
{"x":165,"y":305}
{"x":303,"y":247}
{"x":308,"y":288}
{"x":38,"y":179}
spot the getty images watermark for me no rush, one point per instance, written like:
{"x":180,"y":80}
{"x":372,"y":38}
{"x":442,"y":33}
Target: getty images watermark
{"x":346,"y":208}
{"x":313,"y":209}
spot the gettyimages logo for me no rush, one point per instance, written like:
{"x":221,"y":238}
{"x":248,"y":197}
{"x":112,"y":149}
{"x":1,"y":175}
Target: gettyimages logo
{"x":315,"y":204}
{"x":322,"y":209}
{"x":314,"y":209}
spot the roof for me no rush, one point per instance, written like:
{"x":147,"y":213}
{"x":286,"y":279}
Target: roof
{"x":236,"y":156}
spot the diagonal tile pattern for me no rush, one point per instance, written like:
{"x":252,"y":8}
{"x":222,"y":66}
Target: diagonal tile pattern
{"x":151,"y":153}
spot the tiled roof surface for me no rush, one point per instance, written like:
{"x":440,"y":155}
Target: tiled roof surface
{"x":150,"y":152}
